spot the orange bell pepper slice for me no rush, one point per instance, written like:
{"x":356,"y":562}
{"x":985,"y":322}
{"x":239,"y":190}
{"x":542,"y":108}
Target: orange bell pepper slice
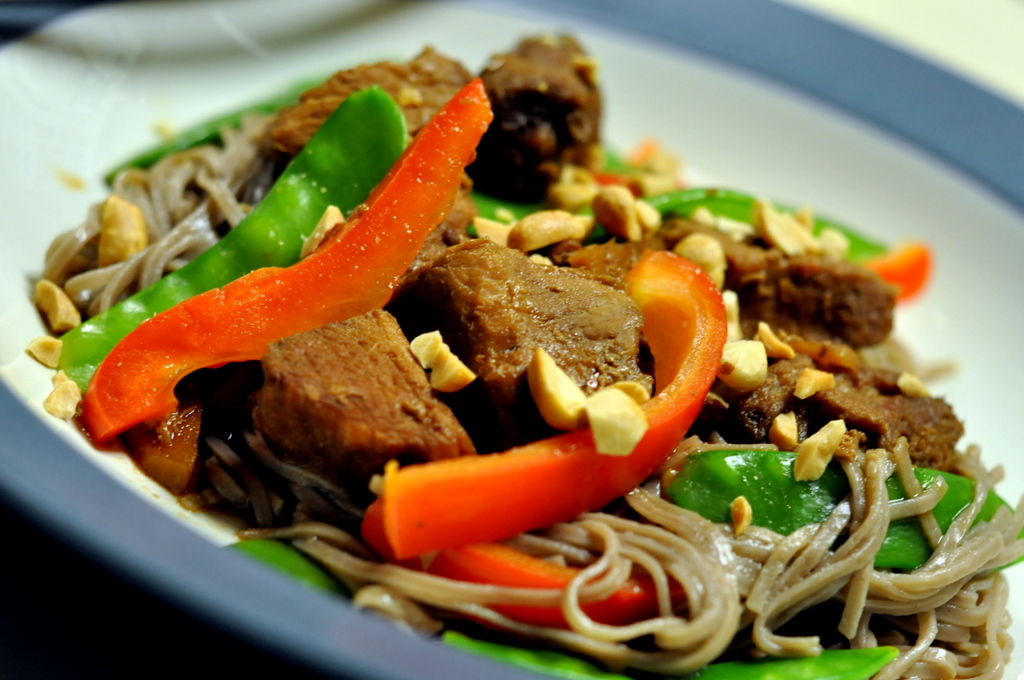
{"x":908,"y":267}
{"x":501,"y":565}
{"x":349,"y":275}
{"x":475,"y":499}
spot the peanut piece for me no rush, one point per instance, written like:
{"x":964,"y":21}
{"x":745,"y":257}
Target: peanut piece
{"x":492,"y":229}
{"x":814,"y":453}
{"x":911,"y":386}
{"x":560,"y":401}
{"x":63,"y":401}
{"x":744,"y":365}
{"x":122,"y":231}
{"x":707,"y":253}
{"x":61,"y":313}
{"x":784,"y":432}
{"x":615,"y":208}
{"x":545,"y":228}
{"x":741,"y":514}
{"x":637,"y":392}
{"x":811,"y":381}
{"x":331,"y":218}
{"x":783,"y":230}
{"x":447,"y":372}
{"x":616,"y":421}
{"x":732,"y":315}
{"x":46,"y":350}
{"x":774,"y":346}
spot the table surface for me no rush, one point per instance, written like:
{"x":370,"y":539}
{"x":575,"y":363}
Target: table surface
{"x":61,"y":616}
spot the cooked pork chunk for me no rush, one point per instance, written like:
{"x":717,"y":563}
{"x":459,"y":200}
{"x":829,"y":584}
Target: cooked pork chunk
{"x":344,"y":399}
{"x":494,"y":307}
{"x":420,"y":87}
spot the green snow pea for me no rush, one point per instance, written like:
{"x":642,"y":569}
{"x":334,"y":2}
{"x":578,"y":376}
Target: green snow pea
{"x":840,"y":664}
{"x":208,"y":132}
{"x":289,"y":561}
{"x":345,"y":159}
{"x":709,"y":481}
{"x":737,"y":206}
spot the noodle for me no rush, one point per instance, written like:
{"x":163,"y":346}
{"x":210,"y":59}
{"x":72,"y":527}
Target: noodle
{"x":183,"y":199}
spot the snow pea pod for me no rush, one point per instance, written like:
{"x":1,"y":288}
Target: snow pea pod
{"x":738,"y":206}
{"x":709,"y":481}
{"x":345,"y":159}
{"x":840,"y":664}
{"x":208,"y":132}
{"x":289,"y":561}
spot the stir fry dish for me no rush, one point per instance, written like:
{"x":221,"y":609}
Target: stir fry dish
{"x":454,"y":360}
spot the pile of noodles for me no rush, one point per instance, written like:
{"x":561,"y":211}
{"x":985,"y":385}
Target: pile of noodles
{"x":948,"y":617}
{"x":184,"y":198}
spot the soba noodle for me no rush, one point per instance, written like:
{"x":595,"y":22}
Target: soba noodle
{"x":184,"y":198}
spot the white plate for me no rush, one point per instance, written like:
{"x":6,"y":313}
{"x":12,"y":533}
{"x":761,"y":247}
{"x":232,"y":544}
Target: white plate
{"x":88,"y":90}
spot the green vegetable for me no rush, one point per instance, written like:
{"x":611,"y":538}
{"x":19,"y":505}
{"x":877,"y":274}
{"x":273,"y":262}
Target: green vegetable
{"x":488,"y":206}
{"x":737,"y":206}
{"x":840,"y":664}
{"x":832,"y":664}
{"x":289,"y":561}
{"x":709,"y":481}
{"x":208,"y":132}
{"x":345,"y":159}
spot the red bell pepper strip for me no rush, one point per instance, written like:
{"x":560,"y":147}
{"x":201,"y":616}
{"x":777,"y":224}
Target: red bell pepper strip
{"x":501,"y":565}
{"x":908,"y":267}
{"x":349,"y":275}
{"x":474,"y":499}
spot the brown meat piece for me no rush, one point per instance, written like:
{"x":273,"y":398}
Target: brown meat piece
{"x":420,"y":87}
{"x":609,"y":262}
{"x":867,"y":399}
{"x":168,"y":450}
{"x":547,"y":112}
{"x":449,"y":233}
{"x":814,"y":296}
{"x":494,"y":307}
{"x":344,"y":399}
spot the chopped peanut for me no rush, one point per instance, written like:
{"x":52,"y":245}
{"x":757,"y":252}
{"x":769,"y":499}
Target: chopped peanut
{"x":742,"y":514}
{"x":331,"y":218}
{"x":63,"y":401}
{"x":911,"y":386}
{"x":707,"y":253}
{"x":744,"y":365}
{"x":814,"y":453}
{"x":560,"y":401}
{"x":653,"y":183}
{"x":122,"y":231}
{"x":805,"y":216}
{"x":61,"y":313}
{"x":537,"y":258}
{"x":409,"y":96}
{"x":783,"y":230}
{"x":545,"y":228}
{"x":616,"y":420}
{"x":571,"y":196}
{"x":637,"y":392}
{"x":615,"y":208}
{"x":784,"y":432}
{"x":811,"y":381}
{"x":732,"y":315}
{"x":774,"y":346}
{"x":492,"y":230}
{"x":46,"y":350}
{"x":834,"y":242}
{"x":585,"y":67}
{"x":447,"y":372}
{"x":648,"y":216}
